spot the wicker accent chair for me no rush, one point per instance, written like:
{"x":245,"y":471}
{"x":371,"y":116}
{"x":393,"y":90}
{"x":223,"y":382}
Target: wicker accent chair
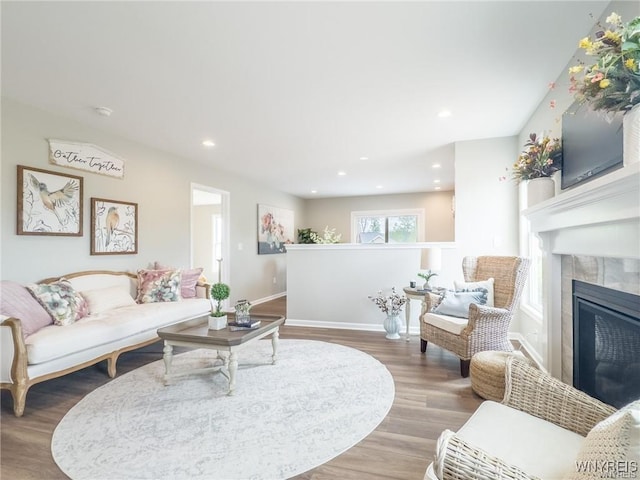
{"x":533,"y":392}
{"x":487,"y":327}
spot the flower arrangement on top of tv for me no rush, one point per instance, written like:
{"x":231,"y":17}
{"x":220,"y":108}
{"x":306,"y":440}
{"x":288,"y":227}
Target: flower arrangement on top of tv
{"x":541,"y":157}
{"x":392,"y":304}
{"x":612,"y":83}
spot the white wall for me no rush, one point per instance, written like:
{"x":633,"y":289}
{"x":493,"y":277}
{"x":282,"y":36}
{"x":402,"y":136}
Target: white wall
{"x":161,"y":185}
{"x":486,"y":206}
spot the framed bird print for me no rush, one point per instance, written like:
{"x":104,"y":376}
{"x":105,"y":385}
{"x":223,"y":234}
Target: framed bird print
{"x":114,"y":227}
{"x":49,"y":203}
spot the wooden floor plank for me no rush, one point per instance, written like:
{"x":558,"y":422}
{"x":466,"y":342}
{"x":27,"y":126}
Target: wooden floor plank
{"x":430,"y":397}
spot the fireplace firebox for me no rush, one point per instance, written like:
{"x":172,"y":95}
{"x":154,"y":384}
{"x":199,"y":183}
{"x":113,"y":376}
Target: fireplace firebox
{"x":606,"y":343}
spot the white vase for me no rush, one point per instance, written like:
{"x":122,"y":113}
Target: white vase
{"x":631,"y":135}
{"x":217,"y":323}
{"x":392,"y":325}
{"x":539,"y":190}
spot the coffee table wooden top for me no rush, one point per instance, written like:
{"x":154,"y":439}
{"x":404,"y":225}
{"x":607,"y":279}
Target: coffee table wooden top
{"x":197,"y":330}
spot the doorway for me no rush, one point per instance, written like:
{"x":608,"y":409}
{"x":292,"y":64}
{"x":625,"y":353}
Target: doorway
{"x":210,"y":232}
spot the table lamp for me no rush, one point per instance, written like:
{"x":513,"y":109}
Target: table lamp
{"x":431,"y":261}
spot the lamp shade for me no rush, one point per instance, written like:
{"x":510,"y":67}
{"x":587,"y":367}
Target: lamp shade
{"x":431,"y":259}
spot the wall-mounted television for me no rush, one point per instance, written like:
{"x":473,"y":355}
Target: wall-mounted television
{"x":591,"y":144}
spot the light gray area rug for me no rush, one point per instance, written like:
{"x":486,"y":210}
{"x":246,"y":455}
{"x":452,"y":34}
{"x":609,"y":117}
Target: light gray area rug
{"x":317,"y":401}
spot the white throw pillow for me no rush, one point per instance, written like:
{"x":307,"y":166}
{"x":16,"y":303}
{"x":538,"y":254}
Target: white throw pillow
{"x":612,"y":447}
{"x":101,"y":300}
{"x":471,"y":286}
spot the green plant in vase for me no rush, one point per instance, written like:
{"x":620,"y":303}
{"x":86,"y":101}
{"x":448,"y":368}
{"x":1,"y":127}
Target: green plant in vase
{"x":219,"y":292}
{"x":427,"y":277}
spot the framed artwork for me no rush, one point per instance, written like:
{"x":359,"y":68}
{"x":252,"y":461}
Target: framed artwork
{"x":114,"y":227}
{"x":49,"y":203}
{"x":275,"y":229}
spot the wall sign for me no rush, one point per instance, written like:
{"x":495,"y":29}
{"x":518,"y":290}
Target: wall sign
{"x":85,"y":156}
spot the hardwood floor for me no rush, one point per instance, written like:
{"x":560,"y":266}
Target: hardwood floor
{"x":430,"y":397}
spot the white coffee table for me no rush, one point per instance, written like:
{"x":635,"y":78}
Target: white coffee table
{"x":195,"y":333}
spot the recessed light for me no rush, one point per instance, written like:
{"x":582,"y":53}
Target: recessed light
{"x":341,"y":173}
{"x":436,"y":181}
{"x":444,"y":113}
{"x":436,"y":165}
{"x":364,"y":158}
{"x":438,"y":188}
{"x":104,"y":111}
{"x":208,"y":143}
{"x":314,"y":191}
{"x":378,"y":186}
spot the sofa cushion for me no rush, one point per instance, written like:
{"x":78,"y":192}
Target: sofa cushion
{"x":158,"y":286}
{"x":61,"y":301}
{"x":188,"y":278}
{"x":54,"y":342}
{"x":613,"y":446}
{"x":540,"y":448}
{"x":449,"y":324}
{"x":16,"y":301}
{"x":471,"y":286}
{"x":101,"y":300}
{"x":456,"y":304}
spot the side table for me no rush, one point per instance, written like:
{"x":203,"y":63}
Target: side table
{"x":412,"y":294}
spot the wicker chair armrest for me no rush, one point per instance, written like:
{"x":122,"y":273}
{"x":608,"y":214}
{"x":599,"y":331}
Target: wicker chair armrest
{"x":486,"y":318}
{"x":431,"y":300}
{"x":538,"y":393}
{"x":457,"y":459}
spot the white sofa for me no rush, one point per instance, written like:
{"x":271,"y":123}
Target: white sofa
{"x":543,"y":429}
{"x":53,"y":351}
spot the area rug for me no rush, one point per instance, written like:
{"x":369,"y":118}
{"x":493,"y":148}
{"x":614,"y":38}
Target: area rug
{"x":317,"y":401}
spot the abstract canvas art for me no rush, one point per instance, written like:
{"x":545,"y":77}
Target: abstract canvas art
{"x":275,"y":229}
{"x":114,"y":227}
{"x":49,"y":203}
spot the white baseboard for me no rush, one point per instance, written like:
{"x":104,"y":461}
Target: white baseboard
{"x":268,"y":299}
{"x":527,"y":347}
{"x":366,"y":327}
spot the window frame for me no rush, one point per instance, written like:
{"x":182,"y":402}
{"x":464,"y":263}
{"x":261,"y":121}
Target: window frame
{"x":419,"y":212}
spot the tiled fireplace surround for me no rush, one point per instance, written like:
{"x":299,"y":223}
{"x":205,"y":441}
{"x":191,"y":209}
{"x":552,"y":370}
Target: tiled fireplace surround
{"x":589,"y":233}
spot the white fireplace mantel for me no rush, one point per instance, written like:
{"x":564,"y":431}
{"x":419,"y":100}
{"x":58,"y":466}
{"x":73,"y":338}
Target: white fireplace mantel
{"x":600,"y":218}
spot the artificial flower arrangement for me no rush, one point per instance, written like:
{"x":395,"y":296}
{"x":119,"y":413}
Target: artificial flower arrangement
{"x":392,"y":304}
{"x":612,"y":83}
{"x":541,"y":157}
{"x":329,"y":236}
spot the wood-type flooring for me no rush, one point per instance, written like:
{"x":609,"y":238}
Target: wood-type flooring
{"x":430,"y":397}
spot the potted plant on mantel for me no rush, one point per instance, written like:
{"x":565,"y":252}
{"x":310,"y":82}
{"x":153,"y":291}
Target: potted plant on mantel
{"x":541,"y":157}
{"x":218,"y":318}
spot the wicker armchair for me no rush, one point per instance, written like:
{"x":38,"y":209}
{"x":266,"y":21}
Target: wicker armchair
{"x":487,"y":327}
{"x":531,"y":391}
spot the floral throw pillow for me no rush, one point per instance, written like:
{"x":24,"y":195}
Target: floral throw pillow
{"x":158,"y":286}
{"x":61,"y":301}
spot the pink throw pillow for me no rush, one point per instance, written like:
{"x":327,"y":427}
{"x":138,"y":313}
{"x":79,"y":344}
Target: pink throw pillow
{"x":158,"y":286}
{"x":17,"y":302}
{"x":188,"y":281}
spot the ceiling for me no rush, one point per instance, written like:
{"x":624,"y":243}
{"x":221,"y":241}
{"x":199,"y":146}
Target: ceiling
{"x":294,"y":92}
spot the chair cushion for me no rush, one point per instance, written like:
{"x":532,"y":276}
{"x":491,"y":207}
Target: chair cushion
{"x":538,"y":447}
{"x":453,"y":325}
{"x":456,"y":304}
{"x":613,"y":445}
{"x":471,"y":286}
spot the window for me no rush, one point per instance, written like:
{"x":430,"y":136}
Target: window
{"x":388,"y":226}
{"x":530,"y":247}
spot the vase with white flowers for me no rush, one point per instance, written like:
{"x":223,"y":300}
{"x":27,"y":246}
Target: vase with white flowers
{"x":391,"y":305}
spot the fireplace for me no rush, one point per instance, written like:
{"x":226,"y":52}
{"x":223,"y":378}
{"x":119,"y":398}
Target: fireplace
{"x":606,"y":343}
